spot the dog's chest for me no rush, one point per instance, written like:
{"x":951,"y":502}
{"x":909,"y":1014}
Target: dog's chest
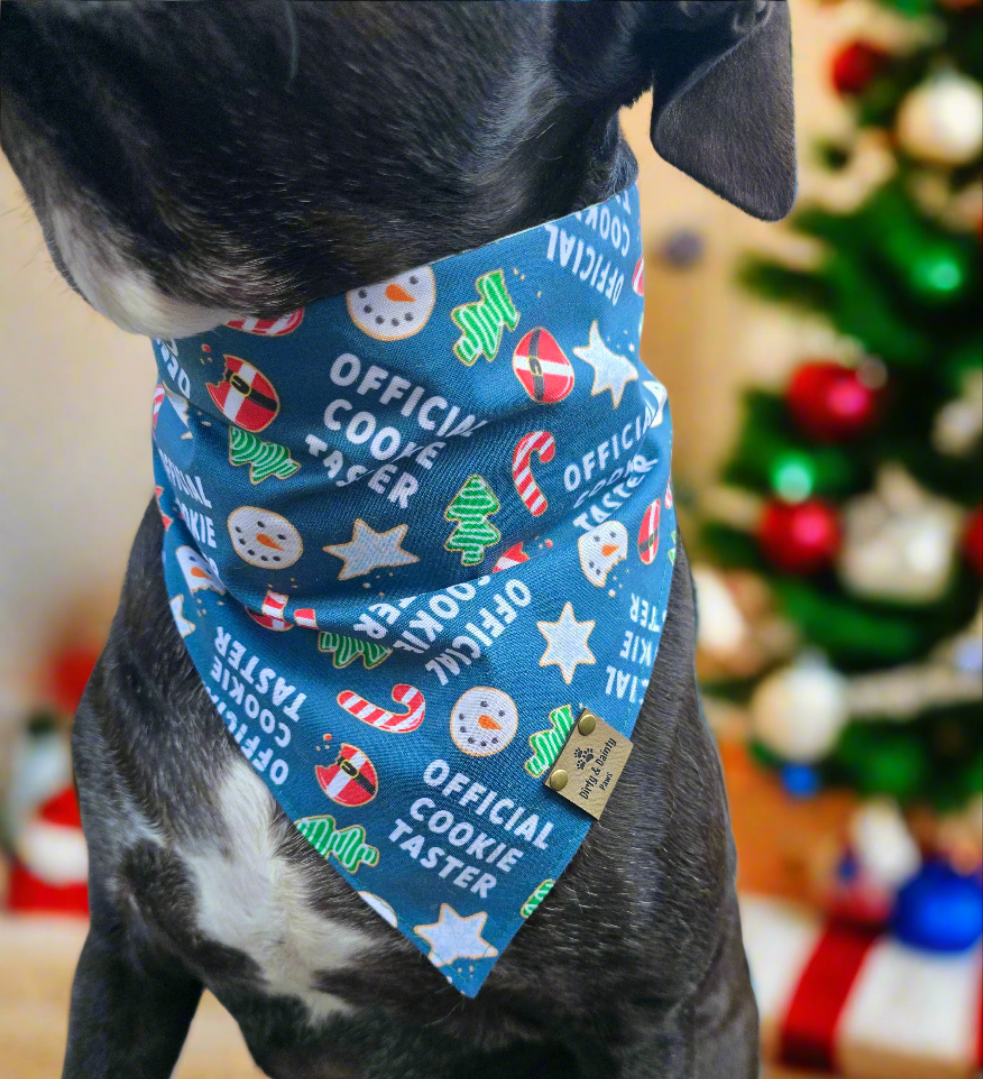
{"x":253,"y":899}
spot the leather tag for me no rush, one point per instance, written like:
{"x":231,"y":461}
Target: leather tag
{"x":590,"y":764}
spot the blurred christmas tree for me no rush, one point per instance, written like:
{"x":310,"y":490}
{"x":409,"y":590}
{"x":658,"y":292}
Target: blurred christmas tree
{"x":856,"y":494}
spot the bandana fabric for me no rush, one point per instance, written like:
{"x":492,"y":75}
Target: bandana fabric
{"x":409,"y":533}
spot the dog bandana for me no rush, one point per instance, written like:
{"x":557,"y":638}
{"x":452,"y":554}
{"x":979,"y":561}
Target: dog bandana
{"x":409,"y":533}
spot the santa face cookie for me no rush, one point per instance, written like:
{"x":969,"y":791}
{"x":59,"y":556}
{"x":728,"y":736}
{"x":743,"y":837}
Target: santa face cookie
{"x":264,"y":539}
{"x":601,"y":550}
{"x":484,"y":721}
{"x":396,"y":308}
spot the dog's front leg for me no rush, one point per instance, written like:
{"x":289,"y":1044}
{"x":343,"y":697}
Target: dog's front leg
{"x":714,"y":1033}
{"x":130,"y":1011}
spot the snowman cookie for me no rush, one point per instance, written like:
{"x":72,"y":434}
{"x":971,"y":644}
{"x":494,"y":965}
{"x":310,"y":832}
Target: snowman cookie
{"x":483,"y":721}
{"x":264,"y":539}
{"x":198,"y":574}
{"x":601,"y":550}
{"x":395,"y":308}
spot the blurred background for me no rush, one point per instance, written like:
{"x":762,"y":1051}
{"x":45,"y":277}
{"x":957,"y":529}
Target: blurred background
{"x":826,"y":378}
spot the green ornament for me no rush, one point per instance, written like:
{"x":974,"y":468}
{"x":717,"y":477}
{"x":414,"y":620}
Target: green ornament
{"x":898,"y":767}
{"x":970,"y":779}
{"x":796,"y":474}
{"x":879,"y":759}
{"x":793,"y":476}
{"x":937,"y":273}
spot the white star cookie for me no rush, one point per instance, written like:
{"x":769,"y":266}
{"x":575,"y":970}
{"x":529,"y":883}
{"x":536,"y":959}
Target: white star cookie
{"x":661,"y":395}
{"x":611,"y":371}
{"x":452,"y":937}
{"x":368,"y":550}
{"x":381,"y":907}
{"x":566,"y":642}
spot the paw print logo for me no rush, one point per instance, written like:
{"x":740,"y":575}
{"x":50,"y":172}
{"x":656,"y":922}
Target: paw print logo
{"x":583,"y":757}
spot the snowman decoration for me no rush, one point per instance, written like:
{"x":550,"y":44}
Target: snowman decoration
{"x":601,"y":550}
{"x":395,"y":308}
{"x":264,"y":539}
{"x":484,"y":721}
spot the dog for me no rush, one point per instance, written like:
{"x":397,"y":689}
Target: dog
{"x":190,"y":162}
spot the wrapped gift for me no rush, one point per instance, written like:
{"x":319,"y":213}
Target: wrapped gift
{"x":838,"y":999}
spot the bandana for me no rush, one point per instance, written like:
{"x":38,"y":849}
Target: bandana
{"x":409,"y":533}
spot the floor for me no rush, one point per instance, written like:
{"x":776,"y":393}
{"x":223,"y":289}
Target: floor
{"x":37,"y":957}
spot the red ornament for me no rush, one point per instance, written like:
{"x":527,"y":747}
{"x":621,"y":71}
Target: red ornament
{"x":800,"y":538}
{"x":832,"y":403}
{"x":856,"y":65}
{"x":70,"y":673}
{"x":973,"y":540}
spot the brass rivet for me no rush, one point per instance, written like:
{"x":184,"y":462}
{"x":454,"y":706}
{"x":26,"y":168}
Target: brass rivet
{"x":587,"y":724}
{"x":558,"y":780}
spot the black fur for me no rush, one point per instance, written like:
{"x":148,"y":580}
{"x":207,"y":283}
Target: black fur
{"x":251,"y":158}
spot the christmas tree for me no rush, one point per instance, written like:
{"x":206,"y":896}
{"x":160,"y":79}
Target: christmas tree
{"x":855,"y":494}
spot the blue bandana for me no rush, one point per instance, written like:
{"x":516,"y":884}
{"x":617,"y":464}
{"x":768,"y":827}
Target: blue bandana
{"x":409,"y":533}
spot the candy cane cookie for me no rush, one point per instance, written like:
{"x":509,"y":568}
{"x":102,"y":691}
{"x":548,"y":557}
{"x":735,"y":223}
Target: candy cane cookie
{"x":541,"y":443}
{"x":384,"y":720}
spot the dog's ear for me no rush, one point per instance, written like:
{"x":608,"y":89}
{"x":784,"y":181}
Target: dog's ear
{"x":721,"y":75}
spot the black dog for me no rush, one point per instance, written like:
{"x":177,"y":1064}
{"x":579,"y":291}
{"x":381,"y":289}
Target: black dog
{"x":192,"y":162}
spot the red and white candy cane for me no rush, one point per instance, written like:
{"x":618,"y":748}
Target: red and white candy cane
{"x":541,"y":443}
{"x":382,"y":718}
{"x":158,"y":401}
{"x":269,"y":327}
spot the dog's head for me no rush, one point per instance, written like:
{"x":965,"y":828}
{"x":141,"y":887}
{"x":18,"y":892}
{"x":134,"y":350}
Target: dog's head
{"x":190,"y":162}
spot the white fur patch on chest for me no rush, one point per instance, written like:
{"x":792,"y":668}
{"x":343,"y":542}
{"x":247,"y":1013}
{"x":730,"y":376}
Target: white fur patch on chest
{"x":255,"y":901}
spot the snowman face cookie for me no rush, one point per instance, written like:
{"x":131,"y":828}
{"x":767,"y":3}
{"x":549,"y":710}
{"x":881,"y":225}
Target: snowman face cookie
{"x":396,"y":308}
{"x":601,"y":549}
{"x":198,"y":574}
{"x":264,"y":539}
{"x":484,"y":721}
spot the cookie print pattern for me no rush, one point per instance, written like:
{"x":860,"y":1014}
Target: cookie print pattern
{"x":546,"y":744}
{"x":396,"y":308}
{"x":265,"y":459}
{"x":601,"y":550}
{"x":346,"y":844}
{"x":351,"y":780}
{"x":245,"y":396}
{"x":481,"y":322}
{"x":408,"y":528}
{"x":542,"y":444}
{"x":648,"y":533}
{"x":347,"y":649}
{"x":484,"y":721}
{"x":542,"y":369}
{"x":471,"y":508}
{"x":269,"y":327}
{"x":263,"y":538}
{"x":381,"y":718}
